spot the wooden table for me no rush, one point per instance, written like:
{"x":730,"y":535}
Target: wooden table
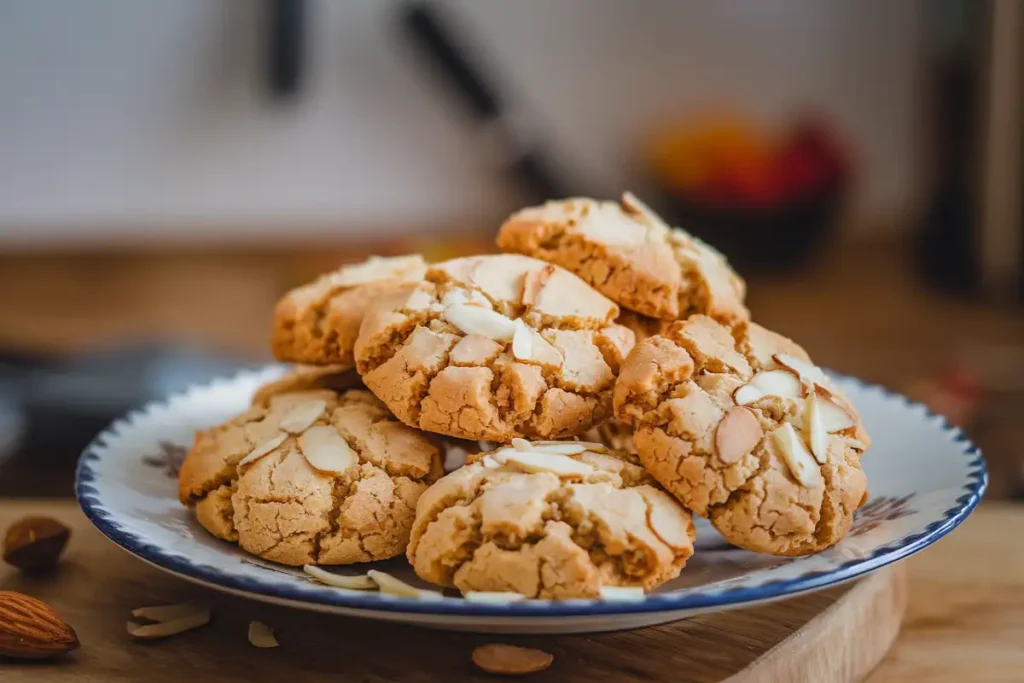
{"x":965,"y":619}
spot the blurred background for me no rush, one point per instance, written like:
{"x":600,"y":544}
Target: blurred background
{"x":169,"y":169}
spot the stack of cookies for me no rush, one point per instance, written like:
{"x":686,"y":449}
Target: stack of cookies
{"x":606,"y":379}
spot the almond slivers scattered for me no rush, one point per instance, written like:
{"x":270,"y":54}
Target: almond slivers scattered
{"x":808,"y":373}
{"x":391,"y":585}
{"x":493,"y":598}
{"x":539,"y":461}
{"x":483,"y":321}
{"x":263,"y":449}
{"x":816,"y":435}
{"x":529,"y":345}
{"x":172,"y":627}
{"x":302,"y":416}
{"x":622,"y":593}
{"x":796,"y":457}
{"x":261,"y":635}
{"x":167,"y":612}
{"x":326,"y":450}
{"x":361,"y":582}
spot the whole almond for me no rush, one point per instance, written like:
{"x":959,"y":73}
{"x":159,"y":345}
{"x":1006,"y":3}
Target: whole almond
{"x":35,"y":543}
{"x":31,"y":629}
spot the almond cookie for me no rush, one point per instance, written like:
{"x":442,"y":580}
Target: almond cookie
{"x":494,"y":347}
{"x":318,"y":322}
{"x":743,"y":429}
{"x":549,"y":520}
{"x":313,"y":477}
{"x":631,"y":256}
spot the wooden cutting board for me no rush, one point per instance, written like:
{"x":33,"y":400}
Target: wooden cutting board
{"x":836,"y":635}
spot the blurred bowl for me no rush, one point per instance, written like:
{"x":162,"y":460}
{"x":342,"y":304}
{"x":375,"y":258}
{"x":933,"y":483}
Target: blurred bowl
{"x":756,"y":239}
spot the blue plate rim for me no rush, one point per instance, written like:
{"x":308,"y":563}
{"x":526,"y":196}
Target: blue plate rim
{"x":712,"y":598}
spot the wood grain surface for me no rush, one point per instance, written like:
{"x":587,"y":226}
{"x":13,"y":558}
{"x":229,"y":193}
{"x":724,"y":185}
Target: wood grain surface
{"x":836,"y":635}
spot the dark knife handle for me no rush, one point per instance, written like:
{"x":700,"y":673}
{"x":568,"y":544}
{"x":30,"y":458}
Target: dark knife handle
{"x":427,"y":29}
{"x":286,"y":50}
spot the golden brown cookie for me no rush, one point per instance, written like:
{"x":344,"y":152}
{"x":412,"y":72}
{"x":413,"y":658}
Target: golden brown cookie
{"x":318,"y":322}
{"x":309,"y":377}
{"x":743,"y":429}
{"x":313,"y":477}
{"x":549,"y":520}
{"x":631,"y":256}
{"x":492,"y":348}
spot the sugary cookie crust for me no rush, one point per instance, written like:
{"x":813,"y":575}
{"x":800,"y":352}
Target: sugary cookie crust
{"x":724,"y":461}
{"x":474,"y":380}
{"x":281,"y":508}
{"x":631,"y":256}
{"x":318,"y":323}
{"x":547,"y":528}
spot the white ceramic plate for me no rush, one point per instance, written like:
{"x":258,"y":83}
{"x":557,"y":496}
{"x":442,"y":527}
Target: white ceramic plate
{"x":925,"y":478}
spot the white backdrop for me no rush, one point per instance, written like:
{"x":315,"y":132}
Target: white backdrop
{"x":121,"y":113}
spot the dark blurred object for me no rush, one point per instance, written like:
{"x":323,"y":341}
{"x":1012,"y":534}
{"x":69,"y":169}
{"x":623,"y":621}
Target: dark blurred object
{"x":948,"y":247}
{"x":448,"y":55}
{"x":759,"y":240}
{"x":62,"y":404}
{"x":767,"y":205}
{"x":286,"y":47}
{"x":972,"y":239}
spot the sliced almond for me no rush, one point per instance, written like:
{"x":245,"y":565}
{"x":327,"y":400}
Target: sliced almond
{"x":746,"y":394}
{"x":521,"y":444}
{"x":795,"y":454}
{"x":168,"y":612}
{"x":539,"y":461}
{"x":261,"y":635}
{"x":634,"y":206}
{"x":533,"y":283}
{"x":490,"y":462}
{"x":817,"y":437}
{"x":326,"y":450}
{"x":360,"y":582}
{"x":834,"y":417}
{"x":737,"y":434}
{"x":622,"y":593}
{"x":302,"y":416}
{"x":510,"y":660}
{"x":528,"y":345}
{"x":263,"y":449}
{"x":594,"y":446}
{"x":807,"y":372}
{"x":567,"y":448}
{"x":669,"y":522}
{"x":393,"y":586}
{"x":477,"y":320}
{"x":777,"y":383}
{"x":172,"y":627}
{"x":493,"y":598}
{"x":522,"y":341}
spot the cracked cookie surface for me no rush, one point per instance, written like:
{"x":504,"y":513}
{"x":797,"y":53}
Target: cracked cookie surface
{"x":549,"y":525}
{"x":743,"y":429}
{"x":494,"y":347}
{"x":310,"y":477}
{"x":631,"y":256}
{"x":318,"y":322}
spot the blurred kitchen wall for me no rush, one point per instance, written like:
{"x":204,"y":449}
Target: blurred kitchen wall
{"x":149,"y":118}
